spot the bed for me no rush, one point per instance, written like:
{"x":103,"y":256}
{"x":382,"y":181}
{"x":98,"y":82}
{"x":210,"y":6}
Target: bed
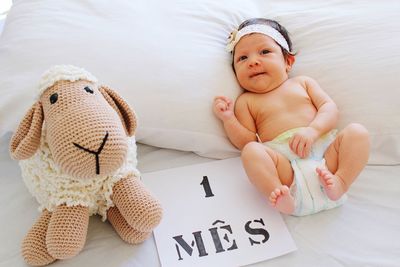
{"x":167,"y":59}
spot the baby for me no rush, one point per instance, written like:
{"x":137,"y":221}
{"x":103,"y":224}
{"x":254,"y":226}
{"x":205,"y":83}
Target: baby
{"x":284,"y":125}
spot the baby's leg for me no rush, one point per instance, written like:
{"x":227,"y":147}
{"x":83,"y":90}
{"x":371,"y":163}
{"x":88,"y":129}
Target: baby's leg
{"x":271,"y":173}
{"x":345,"y":159}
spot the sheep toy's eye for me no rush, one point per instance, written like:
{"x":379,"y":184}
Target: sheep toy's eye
{"x":53,"y":98}
{"x":87,"y":89}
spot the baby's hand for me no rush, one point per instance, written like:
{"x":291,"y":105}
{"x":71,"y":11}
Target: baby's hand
{"x":223,"y":108}
{"x":302,"y":141}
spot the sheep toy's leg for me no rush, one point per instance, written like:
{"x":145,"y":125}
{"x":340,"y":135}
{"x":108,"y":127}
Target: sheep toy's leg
{"x":67,"y":231}
{"x":124,"y":230}
{"x":140,"y":209}
{"x":34,"y":248}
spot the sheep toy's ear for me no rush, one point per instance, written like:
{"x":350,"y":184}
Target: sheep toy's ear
{"x":26,"y":139}
{"x":126,"y":114}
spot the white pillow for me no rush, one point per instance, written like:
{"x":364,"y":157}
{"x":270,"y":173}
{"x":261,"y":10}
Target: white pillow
{"x":168,"y":60}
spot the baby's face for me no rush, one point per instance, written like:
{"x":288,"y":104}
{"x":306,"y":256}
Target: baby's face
{"x":259,"y":63}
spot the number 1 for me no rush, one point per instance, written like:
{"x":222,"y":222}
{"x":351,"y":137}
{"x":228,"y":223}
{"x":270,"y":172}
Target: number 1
{"x":206,"y":185}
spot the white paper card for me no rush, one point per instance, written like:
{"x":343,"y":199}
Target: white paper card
{"x":213,"y":216}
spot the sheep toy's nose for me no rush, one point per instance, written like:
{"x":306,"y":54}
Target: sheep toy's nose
{"x":96,"y":153}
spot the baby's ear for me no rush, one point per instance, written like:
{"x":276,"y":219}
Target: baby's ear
{"x":126,"y":114}
{"x":290,"y":59}
{"x":26,"y":139}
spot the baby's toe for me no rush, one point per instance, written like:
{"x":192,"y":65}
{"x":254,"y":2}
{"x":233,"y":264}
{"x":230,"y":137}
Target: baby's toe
{"x":285,"y":190}
{"x":323,"y":174}
{"x":272,"y":201}
{"x":277,"y":192}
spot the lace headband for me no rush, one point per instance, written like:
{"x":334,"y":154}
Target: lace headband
{"x":235,"y":36}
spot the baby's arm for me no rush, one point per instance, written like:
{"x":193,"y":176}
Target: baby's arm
{"x":239,"y":132}
{"x":325,"y":120}
{"x":328,"y":114}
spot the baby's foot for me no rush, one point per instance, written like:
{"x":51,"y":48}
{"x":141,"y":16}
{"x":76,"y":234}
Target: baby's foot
{"x":281,"y":199}
{"x":333,"y":184}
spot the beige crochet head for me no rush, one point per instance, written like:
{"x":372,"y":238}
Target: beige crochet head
{"x":86,"y":125}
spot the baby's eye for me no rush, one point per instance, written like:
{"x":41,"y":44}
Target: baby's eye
{"x":241,"y":58}
{"x":264,"y":51}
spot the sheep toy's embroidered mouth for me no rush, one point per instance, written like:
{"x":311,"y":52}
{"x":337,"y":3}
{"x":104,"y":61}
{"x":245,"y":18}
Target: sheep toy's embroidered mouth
{"x":96,"y":153}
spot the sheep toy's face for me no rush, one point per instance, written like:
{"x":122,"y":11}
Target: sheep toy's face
{"x":85,"y":134}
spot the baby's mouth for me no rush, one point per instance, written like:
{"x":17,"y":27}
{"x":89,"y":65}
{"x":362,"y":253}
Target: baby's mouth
{"x":257,"y":74}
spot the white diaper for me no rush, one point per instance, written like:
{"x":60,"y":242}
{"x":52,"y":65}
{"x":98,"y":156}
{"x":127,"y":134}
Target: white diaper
{"x":306,"y":189}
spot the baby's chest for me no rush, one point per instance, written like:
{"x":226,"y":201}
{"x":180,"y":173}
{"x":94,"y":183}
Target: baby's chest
{"x":285,"y":101}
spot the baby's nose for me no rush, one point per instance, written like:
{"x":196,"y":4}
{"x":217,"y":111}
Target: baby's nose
{"x":253,"y":62}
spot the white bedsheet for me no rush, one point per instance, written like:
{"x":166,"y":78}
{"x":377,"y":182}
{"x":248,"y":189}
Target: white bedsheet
{"x":363,"y":232}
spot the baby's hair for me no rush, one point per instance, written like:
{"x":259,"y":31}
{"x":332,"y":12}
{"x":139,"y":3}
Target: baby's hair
{"x":274,"y":24}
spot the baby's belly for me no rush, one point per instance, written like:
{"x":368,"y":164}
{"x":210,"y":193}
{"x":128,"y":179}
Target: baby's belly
{"x":270,"y":129}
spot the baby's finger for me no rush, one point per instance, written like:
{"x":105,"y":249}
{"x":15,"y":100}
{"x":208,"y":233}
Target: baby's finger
{"x":231,"y":106}
{"x":223,"y":98}
{"x":307,"y":149}
{"x":291,"y":143}
{"x":227,"y":99}
{"x":220,"y":106}
{"x":219,"y":100}
{"x":218,"y":97}
{"x":300,"y":149}
{"x":295,"y":144}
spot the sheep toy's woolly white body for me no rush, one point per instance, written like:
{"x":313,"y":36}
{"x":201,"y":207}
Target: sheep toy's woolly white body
{"x":52,"y":188}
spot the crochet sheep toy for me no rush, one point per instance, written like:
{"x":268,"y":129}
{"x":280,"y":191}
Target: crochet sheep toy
{"x":77,"y":154}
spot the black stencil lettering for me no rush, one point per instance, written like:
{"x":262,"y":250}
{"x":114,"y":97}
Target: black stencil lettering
{"x":179,"y":252}
{"x":217,"y":240}
{"x":184,"y":245}
{"x":189,"y":248}
{"x":200,"y":244}
{"x":257,"y":231}
{"x":207,"y":188}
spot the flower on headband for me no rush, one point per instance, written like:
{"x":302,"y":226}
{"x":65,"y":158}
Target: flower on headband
{"x":231,"y":41}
